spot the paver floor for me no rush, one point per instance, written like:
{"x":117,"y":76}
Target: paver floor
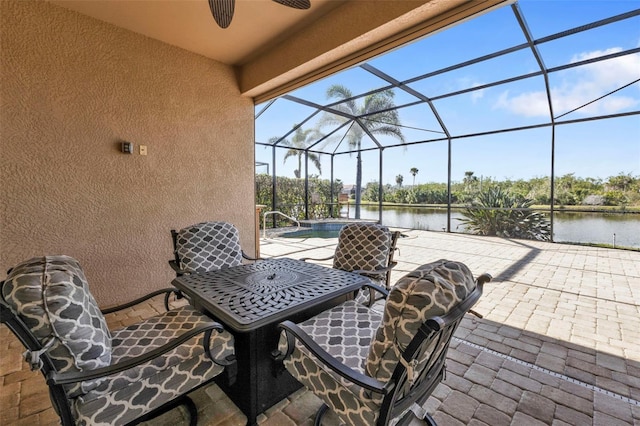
{"x":558,"y":344}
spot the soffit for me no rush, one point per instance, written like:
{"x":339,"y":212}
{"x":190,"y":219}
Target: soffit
{"x":188,"y":24}
{"x":274,"y":48}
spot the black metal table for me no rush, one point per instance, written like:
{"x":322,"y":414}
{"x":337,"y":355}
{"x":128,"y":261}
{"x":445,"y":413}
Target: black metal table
{"x":251,"y":300}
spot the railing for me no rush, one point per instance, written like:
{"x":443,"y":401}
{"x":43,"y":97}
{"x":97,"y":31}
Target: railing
{"x":264,"y":223}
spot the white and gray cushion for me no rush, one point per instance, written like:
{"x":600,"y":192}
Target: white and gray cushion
{"x":344,"y":331}
{"x":125,"y":396}
{"x":208,"y":246}
{"x":371,"y":343}
{"x":51,"y":296}
{"x":363,"y":246}
{"x":430,"y":290}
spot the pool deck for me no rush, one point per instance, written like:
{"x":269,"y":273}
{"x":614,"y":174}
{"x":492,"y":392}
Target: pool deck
{"x":559,"y":343}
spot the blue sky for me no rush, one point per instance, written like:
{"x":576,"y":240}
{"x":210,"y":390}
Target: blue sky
{"x":598,"y":148}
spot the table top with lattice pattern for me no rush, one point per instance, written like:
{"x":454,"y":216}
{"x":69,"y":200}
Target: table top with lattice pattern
{"x":249,"y":296}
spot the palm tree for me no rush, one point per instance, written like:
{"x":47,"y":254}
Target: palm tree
{"x":399,"y":180}
{"x":298,"y":143}
{"x":385,"y":123}
{"x":470,"y":185}
{"x":414,"y":172}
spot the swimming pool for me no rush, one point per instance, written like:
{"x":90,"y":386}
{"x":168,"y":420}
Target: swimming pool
{"x":312,"y":233}
{"x":317,"y":229}
{"x":326,"y":228}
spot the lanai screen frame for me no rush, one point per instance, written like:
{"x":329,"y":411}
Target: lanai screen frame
{"x":544,"y":71}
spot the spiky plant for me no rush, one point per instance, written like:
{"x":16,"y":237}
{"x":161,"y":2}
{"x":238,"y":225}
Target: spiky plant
{"x":499,"y":213}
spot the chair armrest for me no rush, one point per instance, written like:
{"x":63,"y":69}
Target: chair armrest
{"x":372,"y":289}
{"x":69,"y":377}
{"x":484,"y":278}
{"x":304,"y":259}
{"x":294,"y":332}
{"x":246,"y":256}
{"x":377,"y":288}
{"x":376,"y":271}
{"x":176,"y":268}
{"x":165,"y":291}
{"x":480,"y":281}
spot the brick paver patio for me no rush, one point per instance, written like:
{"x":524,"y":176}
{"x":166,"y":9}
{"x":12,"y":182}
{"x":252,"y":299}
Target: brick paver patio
{"x":559,"y":343}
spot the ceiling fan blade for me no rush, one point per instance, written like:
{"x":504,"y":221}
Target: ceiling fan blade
{"x":296,"y":4}
{"x":222,"y":11}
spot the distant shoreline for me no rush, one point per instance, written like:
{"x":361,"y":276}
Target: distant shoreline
{"x":568,"y":209}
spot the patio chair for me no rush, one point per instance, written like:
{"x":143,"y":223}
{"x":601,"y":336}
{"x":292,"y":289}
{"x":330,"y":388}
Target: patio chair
{"x":102,"y":377}
{"x":206,"y":246}
{"x":367,"y":249}
{"x":371,"y":368}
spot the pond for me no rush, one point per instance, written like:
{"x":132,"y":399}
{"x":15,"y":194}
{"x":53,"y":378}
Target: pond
{"x":623,"y":230}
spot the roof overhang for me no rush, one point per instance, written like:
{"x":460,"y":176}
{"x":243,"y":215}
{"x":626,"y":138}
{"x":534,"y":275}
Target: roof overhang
{"x":275,"y":49}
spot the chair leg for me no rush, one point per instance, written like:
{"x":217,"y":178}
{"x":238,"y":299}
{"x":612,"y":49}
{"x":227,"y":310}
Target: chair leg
{"x":320,"y":414}
{"x":191,"y":408}
{"x":429,"y":420}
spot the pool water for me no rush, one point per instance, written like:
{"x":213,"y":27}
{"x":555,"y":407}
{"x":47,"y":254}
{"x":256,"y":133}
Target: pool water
{"x":319,"y":229}
{"x":312,"y":233}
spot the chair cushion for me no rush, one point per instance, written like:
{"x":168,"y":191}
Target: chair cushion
{"x":431,"y":290}
{"x":127,"y":395}
{"x":51,"y":296}
{"x":345,"y":332}
{"x":362,"y":246}
{"x":208,"y":246}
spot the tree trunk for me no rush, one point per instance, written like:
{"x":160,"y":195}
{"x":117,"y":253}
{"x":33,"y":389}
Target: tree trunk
{"x":358,"y":183}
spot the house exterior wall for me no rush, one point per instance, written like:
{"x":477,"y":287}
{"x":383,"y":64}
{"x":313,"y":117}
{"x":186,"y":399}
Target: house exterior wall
{"x":72,"y":89}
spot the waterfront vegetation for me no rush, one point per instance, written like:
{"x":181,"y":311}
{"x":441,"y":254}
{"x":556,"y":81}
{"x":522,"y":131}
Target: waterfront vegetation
{"x":514,"y":209}
{"x":618,"y":192}
{"x":291,"y":194}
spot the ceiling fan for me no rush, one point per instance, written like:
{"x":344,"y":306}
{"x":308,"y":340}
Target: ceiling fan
{"x":222,"y":10}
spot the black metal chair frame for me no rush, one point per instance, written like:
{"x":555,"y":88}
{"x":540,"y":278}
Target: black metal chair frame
{"x":55,"y":379}
{"x":437,"y":327}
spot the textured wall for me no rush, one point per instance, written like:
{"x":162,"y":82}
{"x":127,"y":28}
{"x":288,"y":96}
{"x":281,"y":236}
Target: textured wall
{"x":72,"y":88}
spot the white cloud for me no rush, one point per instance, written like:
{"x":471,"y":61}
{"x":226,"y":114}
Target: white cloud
{"x":468,"y":82}
{"x":531,"y":104}
{"x":580,"y":86}
{"x":477,"y":94}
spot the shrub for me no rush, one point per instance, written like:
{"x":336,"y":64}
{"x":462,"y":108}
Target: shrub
{"x":499,"y":213}
{"x":290,"y":199}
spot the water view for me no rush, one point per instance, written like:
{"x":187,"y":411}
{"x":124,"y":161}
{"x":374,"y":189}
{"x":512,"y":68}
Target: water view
{"x":621,"y":230}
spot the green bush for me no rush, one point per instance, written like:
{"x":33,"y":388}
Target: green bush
{"x":290,"y":197}
{"x":499,"y":213}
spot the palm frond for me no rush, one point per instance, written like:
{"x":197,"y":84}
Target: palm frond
{"x":291,"y":153}
{"x":340,"y":92}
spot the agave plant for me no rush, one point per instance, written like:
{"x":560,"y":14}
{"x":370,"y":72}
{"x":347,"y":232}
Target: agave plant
{"x":500,"y":213}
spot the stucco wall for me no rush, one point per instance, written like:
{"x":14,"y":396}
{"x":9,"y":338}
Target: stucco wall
{"x":72,"y":88}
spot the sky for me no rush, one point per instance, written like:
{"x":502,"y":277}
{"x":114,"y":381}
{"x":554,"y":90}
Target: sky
{"x":596,"y":148}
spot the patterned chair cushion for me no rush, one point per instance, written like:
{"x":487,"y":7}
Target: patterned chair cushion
{"x":431,"y":290}
{"x":208,"y":246}
{"x":51,"y":296}
{"x":344,"y":331}
{"x":362,"y":246}
{"x":126,"y":396}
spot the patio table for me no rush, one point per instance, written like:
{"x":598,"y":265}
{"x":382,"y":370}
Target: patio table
{"x":251,"y":300}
